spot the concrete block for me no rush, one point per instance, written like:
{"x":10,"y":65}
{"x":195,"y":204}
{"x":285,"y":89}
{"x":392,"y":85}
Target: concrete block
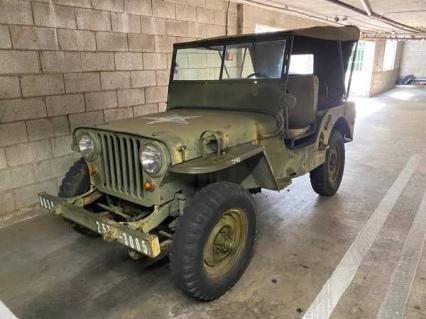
{"x":128,"y":61}
{"x":40,"y":129}
{"x":9,"y":87}
{"x":186,"y":13}
{"x":141,"y":43}
{"x":76,"y":40}
{"x":3,"y":162}
{"x":13,"y":62}
{"x":156,"y":94}
{"x":143,"y":79}
{"x":124,"y":22}
{"x":153,"y":26}
{"x":82,"y":82}
{"x":21,"y":176}
{"x":27,"y":195}
{"x":205,"y":15}
{"x":64,"y":104}
{"x":115,"y":80}
{"x":97,"y":61}
{"x":155,"y":61}
{"x":164,"y":43}
{"x":7,"y":202}
{"x":100,"y":100}
{"x":50,"y":15}
{"x":118,"y":114}
{"x":5,"y":179}
{"x":177,"y":28}
{"x":163,"y":77}
{"x":197,"y":3}
{"x":94,"y":20}
{"x":54,"y":167}
{"x":197,"y":30}
{"x":74,"y":3}
{"x":220,"y":17}
{"x":60,"y":62}
{"x":61,"y":126}
{"x":163,"y":9}
{"x":86,"y":119}
{"x":140,"y":110}
{"x":131,"y":97}
{"x":107,"y":41}
{"x":4,"y":37}
{"x":37,"y":85}
{"x":219,"y":5}
{"x":21,"y":109}
{"x":108,"y":5}
{"x":215,"y":30}
{"x":162,"y":107}
{"x":28,"y":153}
{"x":13,"y":133}
{"x":142,"y":7}
{"x":61,"y":146}
{"x":37,"y":38}
{"x":15,"y":12}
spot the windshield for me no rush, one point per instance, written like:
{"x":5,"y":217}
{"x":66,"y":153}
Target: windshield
{"x":253,"y":60}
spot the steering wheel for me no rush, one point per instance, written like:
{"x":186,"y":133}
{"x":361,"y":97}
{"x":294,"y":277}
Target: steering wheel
{"x":257,"y":74}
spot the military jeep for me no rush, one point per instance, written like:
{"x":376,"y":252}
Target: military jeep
{"x":244,"y":113}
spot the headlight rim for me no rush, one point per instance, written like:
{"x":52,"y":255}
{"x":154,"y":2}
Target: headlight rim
{"x":163,"y":156}
{"x":94,"y":153}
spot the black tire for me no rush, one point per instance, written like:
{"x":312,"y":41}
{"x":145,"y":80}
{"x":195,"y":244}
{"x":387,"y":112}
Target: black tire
{"x":326,"y":179}
{"x":77,"y":182}
{"x":193,"y":229}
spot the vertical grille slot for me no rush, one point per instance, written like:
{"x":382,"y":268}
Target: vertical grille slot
{"x":121,"y":169}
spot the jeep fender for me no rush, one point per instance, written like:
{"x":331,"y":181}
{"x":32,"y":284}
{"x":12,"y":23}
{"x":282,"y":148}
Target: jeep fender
{"x":257,"y":171}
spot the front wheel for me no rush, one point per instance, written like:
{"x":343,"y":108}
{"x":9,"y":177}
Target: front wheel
{"x":214,"y":240}
{"x":326,"y":179}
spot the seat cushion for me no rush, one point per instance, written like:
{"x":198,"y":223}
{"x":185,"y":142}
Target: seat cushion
{"x":305,"y":89}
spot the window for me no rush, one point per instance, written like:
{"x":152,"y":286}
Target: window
{"x":301,"y":64}
{"x":203,"y":63}
{"x":257,"y":60}
{"x":253,"y":60}
{"x":359,"y":58}
{"x":389,"y":56}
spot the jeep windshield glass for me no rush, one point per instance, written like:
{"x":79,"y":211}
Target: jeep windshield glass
{"x":252,"y":60}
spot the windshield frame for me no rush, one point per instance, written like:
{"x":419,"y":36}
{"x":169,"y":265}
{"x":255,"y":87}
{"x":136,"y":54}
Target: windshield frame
{"x":267,"y":37}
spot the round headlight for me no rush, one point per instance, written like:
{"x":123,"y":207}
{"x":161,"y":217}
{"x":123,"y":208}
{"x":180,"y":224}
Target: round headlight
{"x":86,"y":146}
{"x":151,"y":159}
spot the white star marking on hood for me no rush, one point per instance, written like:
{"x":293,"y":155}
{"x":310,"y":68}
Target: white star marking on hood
{"x":171,"y":119}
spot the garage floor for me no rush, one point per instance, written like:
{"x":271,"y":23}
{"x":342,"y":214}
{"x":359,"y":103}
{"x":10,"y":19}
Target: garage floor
{"x":48,"y":271}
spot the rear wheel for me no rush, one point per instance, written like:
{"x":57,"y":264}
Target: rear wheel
{"x":326,"y":179}
{"x":77,"y":182}
{"x":214,"y":240}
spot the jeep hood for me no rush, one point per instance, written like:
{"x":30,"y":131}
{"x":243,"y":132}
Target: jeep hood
{"x":181,"y":128}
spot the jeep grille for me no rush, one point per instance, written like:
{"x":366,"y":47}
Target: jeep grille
{"x":121,"y":168}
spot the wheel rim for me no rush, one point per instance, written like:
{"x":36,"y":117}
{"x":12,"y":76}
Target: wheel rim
{"x":225,"y":243}
{"x":334,"y":164}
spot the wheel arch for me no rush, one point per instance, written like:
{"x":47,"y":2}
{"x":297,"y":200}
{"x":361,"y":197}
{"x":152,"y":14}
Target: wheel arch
{"x":342,"y":126}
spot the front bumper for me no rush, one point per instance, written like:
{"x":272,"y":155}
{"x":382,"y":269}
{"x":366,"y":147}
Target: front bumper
{"x":146,"y":244}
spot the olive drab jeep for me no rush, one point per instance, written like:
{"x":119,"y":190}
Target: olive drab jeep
{"x":244,"y":113}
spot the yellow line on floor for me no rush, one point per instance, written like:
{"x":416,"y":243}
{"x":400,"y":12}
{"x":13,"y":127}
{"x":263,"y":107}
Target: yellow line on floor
{"x":330,"y":294}
{"x":403,"y":275}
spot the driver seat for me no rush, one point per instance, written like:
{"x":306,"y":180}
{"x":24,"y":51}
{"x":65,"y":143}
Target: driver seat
{"x":301,"y":117}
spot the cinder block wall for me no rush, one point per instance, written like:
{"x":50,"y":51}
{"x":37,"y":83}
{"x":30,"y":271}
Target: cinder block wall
{"x":66,"y":63}
{"x":413,"y":59}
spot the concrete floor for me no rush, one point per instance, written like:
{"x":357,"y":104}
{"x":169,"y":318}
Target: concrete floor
{"x":48,"y":271}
